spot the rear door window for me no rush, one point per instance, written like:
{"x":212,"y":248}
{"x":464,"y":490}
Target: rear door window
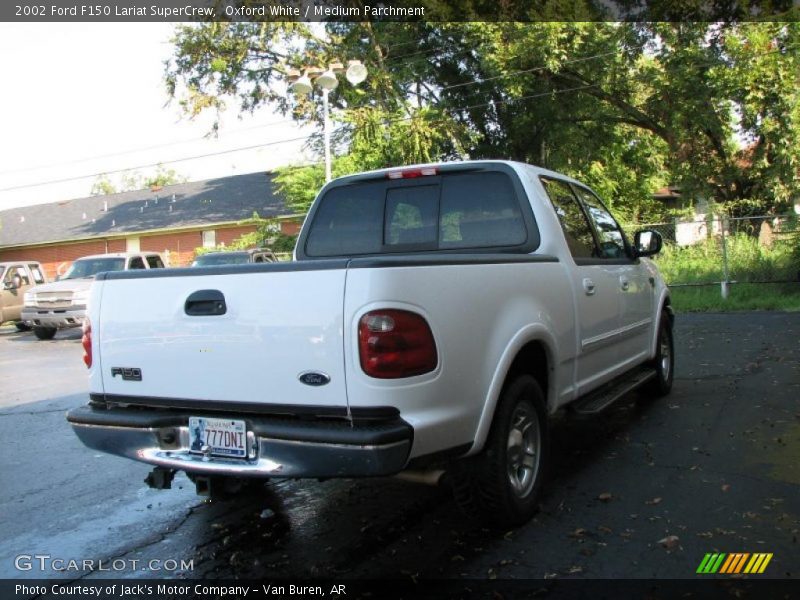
{"x":452,"y":211}
{"x":574,"y":223}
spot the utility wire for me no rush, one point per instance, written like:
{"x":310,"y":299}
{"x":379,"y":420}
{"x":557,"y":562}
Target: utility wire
{"x":389,"y":121}
{"x":143,"y":149}
{"x":155,"y":164}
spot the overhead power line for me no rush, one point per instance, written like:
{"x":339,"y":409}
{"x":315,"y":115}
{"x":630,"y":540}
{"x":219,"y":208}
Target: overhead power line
{"x":155,"y":164}
{"x":142,"y":149}
{"x":399,"y":119}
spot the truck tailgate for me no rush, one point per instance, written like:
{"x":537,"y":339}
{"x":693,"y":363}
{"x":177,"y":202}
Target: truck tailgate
{"x":279,"y":322}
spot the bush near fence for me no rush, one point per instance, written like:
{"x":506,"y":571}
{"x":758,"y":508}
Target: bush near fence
{"x":761,"y":249}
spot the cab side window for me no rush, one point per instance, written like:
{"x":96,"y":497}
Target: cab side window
{"x":137,"y":263}
{"x":17,"y":270}
{"x":576,"y":227}
{"x":37,"y":273}
{"x":154,"y":262}
{"x":609,"y":233}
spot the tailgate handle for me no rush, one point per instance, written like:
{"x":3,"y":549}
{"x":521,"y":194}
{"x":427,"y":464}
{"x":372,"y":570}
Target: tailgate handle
{"x":205,"y":303}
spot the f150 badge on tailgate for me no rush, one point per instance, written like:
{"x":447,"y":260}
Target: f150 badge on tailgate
{"x":127,"y":373}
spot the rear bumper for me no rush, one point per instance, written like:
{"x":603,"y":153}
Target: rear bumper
{"x":277,"y":447}
{"x":60,"y":318}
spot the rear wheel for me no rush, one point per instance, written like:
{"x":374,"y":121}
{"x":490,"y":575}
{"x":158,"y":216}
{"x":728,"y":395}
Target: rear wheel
{"x":664,"y":360}
{"x":501,"y":485}
{"x":44,"y":333}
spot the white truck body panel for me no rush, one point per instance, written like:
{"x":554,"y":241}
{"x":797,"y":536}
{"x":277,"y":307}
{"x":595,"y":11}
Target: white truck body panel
{"x":277,"y":326}
{"x":475,"y":312}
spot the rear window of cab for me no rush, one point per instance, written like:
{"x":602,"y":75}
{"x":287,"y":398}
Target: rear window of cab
{"x":453,"y":211}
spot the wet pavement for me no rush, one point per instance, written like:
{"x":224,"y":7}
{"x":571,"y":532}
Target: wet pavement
{"x":643,"y":491}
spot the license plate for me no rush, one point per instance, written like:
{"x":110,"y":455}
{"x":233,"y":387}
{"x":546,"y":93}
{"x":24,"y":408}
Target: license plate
{"x":224,"y":437}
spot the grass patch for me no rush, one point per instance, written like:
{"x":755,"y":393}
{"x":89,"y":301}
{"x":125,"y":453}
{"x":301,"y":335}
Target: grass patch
{"x":747,"y":260}
{"x":742,"y":296}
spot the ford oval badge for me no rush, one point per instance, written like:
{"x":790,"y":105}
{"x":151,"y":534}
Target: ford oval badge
{"x":314,"y":378}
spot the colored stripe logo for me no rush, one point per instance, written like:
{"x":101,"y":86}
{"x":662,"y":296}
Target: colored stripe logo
{"x":734,"y":563}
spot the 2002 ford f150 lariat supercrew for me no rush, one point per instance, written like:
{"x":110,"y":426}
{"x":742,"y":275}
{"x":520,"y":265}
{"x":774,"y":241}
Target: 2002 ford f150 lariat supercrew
{"x":433,"y":319}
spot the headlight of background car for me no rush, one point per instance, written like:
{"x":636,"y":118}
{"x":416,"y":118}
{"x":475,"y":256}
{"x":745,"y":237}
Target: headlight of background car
{"x":29,"y":299}
{"x":80,"y":298}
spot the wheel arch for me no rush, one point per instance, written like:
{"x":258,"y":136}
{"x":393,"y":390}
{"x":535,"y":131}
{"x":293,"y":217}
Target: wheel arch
{"x":532,"y":352}
{"x":664,"y":305}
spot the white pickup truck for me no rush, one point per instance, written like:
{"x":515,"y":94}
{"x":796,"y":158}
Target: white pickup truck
{"x":433,"y":319}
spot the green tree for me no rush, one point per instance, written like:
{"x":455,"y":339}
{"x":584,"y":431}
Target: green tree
{"x":629,"y":107}
{"x":133,"y":180}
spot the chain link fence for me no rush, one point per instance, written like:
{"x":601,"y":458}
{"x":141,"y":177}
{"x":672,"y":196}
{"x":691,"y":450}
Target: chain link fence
{"x":719,"y":250}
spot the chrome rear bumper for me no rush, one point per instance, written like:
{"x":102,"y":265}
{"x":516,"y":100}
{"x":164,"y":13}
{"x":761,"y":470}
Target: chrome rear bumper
{"x":276,"y":447}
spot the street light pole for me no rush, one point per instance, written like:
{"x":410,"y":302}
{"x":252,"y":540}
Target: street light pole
{"x":327,"y":133}
{"x":328,"y":81}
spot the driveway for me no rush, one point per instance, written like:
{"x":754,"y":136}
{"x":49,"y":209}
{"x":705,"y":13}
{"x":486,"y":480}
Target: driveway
{"x":645,"y":491}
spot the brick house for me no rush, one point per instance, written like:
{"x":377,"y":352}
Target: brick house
{"x":173,"y":220}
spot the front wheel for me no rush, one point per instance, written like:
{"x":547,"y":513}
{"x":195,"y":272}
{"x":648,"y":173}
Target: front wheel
{"x":664,"y":360}
{"x":501,"y":485}
{"x":21,"y":326}
{"x":44,"y":333}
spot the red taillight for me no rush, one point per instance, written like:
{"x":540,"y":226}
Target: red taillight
{"x":395,"y":343}
{"x":412,"y":173}
{"x":86,"y":342}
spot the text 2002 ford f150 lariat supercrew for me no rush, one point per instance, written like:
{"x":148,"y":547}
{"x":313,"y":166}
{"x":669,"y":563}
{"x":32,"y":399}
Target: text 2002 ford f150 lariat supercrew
{"x":433,"y":319}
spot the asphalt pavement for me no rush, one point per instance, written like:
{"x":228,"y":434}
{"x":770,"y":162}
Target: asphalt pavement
{"x":644,"y":491}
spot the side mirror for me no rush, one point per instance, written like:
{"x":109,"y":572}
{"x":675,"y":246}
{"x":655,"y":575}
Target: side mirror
{"x":647,"y":242}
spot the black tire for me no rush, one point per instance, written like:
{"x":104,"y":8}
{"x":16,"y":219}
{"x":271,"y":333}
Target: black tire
{"x":497,"y":486}
{"x":664,"y":360}
{"x":44,"y":333}
{"x":22,"y":326}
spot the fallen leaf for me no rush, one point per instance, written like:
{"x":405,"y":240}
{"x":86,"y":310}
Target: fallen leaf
{"x":725,"y":487}
{"x":575,"y":569}
{"x":605,"y":497}
{"x":705,"y":534}
{"x":670,"y":542}
{"x":653,"y":501}
{"x":603,"y":529}
{"x":579,"y":532}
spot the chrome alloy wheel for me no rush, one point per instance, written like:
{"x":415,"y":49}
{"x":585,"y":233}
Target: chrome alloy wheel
{"x":523,"y":450}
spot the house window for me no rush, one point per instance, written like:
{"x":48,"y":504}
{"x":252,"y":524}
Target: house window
{"x":132,"y":244}
{"x":209,"y":238}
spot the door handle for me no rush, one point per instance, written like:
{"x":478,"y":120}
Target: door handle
{"x":624,"y":284}
{"x":588,"y":286}
{"x":205,"y":303}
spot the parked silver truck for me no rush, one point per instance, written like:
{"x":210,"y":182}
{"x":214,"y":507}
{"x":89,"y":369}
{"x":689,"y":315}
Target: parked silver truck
{"x":62,"y":304}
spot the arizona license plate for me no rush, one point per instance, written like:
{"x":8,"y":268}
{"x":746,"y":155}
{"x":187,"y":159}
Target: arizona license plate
{"x":223,"y":437}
